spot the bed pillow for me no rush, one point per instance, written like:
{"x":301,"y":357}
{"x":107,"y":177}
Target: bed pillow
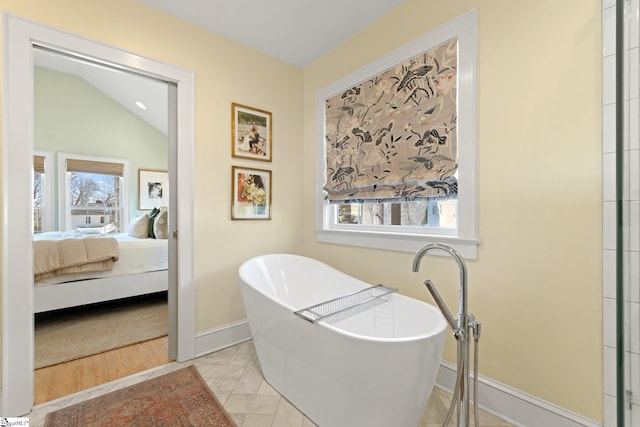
{"x":139,"y":226}
{"x":152,"y":217}
{"x":161,"y":224}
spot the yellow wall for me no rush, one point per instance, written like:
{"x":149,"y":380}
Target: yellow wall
{"x":225,"y":72}
{"x":536,"y":285}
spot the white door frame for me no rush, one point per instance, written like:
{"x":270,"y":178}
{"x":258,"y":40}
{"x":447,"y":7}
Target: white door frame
{"x":19,"y":36}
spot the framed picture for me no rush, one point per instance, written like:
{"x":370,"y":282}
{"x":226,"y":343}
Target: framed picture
{"x":250,"y":133}
{"x":251,"y":193}
{"x":153,"y":189}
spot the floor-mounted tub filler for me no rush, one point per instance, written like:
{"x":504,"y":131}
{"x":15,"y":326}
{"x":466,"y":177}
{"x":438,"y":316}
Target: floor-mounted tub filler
{"x":345,"y":353}
{"x":463,"y":325}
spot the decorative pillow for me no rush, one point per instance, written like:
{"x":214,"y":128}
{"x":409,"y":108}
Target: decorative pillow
{"x":139,"y":226}
{"x":152,"y":216}
{"x":161,"y":224}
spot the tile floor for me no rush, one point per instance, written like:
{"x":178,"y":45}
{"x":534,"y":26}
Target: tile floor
{"x":235,"y":377}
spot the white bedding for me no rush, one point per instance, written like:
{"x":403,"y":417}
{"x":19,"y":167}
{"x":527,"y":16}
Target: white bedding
{"x":136,"y":256}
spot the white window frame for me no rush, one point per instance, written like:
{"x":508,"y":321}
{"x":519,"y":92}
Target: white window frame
{"x":49,"y":175}
{"x":409,"y":239}
{"x":64,"y":219}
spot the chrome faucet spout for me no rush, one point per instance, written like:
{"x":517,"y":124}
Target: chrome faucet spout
{"x":462,"y":283}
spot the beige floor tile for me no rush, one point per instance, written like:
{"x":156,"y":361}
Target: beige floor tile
{"x":235,"y":377}
{"x":256,"y":420}
{"x":265,"y":388}
{"x":287,"y":415}
{"x":252,"y":404}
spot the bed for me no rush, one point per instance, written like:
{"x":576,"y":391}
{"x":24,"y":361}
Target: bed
{"x":131,"y":266}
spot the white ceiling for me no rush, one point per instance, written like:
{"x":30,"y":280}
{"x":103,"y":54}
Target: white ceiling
{"x":294,"y":31}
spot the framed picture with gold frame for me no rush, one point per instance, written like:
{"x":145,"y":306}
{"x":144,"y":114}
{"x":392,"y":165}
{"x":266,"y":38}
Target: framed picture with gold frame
{"x":251,"y":193}
{"x":250,"y":133}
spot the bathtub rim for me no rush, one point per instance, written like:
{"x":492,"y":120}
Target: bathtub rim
{"x":440,"y":328}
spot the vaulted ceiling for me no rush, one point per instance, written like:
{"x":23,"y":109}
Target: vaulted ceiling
{"x":295,"y":31}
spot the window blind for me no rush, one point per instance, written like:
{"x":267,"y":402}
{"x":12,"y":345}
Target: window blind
{"x":38,"y":164}
{"x":90,"y":166}
{"x":393,"y":137}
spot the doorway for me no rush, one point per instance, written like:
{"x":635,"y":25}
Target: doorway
{"x":96,"y":126}
{"x":20,"y":36}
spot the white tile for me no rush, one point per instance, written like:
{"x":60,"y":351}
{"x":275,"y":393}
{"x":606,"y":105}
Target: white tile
{"x":633,"y":284}
{"x":610,"y":374}
{"x":626,"y":123}
{"x":609,"y":225}
{"x":609,"y":128}
{"x":634,"y":378}
{"x":634,"y":124}
{"x":609,"y":322}
{"x":635,"y":416}
{"x":609,"y":80}
{"x":609,"y":177}
{"x":633,"y":337}
{"x":634,"y":226}
{"x":634,"y":77}
{"x":634,"y":38}
{"x":609,"y":31}
{"x":609,"y":274}
{"x":634,"y":175}
{"x":610,"y":412}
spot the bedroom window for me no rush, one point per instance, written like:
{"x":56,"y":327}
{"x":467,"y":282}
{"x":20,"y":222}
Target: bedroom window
{"x":95,"y":190}
{"x":42,"y":191}
{"x":396,"y":150}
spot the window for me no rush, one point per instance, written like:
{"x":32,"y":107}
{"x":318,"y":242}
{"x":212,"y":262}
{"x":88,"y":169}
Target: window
{"x":396,"y":151}
{"x":42,"y":191}
{"x":93,"y":198}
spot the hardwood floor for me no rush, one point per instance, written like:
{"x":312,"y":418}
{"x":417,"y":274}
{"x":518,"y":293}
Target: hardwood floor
{"x":66,"y":378}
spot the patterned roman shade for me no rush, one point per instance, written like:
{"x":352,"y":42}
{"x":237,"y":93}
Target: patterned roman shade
{"x":393,"y":137}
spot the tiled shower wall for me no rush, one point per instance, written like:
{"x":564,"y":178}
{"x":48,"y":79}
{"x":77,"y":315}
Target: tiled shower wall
{"x":632,"y":211}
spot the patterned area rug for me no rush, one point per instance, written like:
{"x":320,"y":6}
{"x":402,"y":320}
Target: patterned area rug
{"x":179,"y":398}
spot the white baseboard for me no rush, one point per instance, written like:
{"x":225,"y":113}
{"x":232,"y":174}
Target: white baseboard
{"x":514,"y":406}
{"x":219,"y":338}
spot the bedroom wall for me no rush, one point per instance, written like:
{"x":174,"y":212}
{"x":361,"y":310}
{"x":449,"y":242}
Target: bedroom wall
{"x":225,"y":72}
{"x":72,"y":116}
{"x":536,"y":285}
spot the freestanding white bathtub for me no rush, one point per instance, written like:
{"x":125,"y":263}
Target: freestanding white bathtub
{"x":376,"y":368}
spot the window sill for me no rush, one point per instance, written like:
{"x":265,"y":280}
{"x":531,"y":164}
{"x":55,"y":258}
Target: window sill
{"x":466,"y":247}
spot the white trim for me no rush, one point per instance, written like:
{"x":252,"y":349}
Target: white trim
{"x":222,"y":337}
{"x":467,"y":248}
{"x":514,"y":406}
{"x":49,"y":179}
{"x":64,"y":219}
{"x":465,"y":29}
{"x":19,"y":36}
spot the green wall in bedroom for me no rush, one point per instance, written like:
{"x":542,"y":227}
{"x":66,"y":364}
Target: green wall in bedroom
{"x":72,"y":116}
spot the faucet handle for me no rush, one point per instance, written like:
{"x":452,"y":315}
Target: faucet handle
{"x":440,"y":302}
